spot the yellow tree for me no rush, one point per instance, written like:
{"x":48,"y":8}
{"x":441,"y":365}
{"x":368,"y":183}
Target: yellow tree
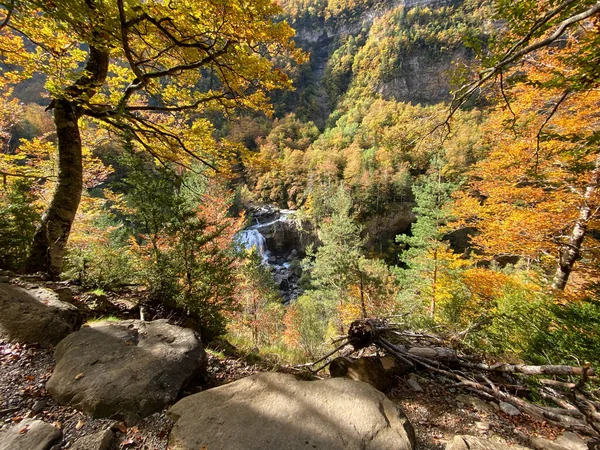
{"x":555,"y":151}
{"x":537,"y":190}
{"x":148,"y":69}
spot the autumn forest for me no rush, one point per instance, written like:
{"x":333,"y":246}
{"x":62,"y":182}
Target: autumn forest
{"x":271,"y":172}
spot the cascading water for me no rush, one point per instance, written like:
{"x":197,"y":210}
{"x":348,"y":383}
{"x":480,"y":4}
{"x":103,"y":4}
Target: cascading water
{"x":252,"y":238}
{"x":278,"y":264}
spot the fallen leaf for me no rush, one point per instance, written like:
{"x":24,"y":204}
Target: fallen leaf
{"x":122,"y":428}
{"x":79,"y":376}
{"x":24,"y":430}
{"x":57,"y":424}
{"x":79,"y":425}
{"x":127,"y":443}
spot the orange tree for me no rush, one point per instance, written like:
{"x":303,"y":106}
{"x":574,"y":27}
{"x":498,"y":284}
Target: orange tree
{"x":546,"y":61}
{"x":150,"y":69}
{"x":537,"y":190}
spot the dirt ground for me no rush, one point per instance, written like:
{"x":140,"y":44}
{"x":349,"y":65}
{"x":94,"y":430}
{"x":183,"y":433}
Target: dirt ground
{"x":437,"y":414}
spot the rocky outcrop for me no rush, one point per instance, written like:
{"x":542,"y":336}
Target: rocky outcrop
{"x":288,"y":234}
{"x":376,"y":371}
{"x":273,"y":411}
{"x":424,"y":78}
{"x":30,"y":434}
{"x":383,"y":228}
{"x":125,"y":370}
{"x":35,"y":316}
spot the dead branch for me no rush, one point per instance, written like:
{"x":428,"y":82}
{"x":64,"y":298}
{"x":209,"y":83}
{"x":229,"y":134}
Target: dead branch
{"x":530,"y":370}
{"x":574,"y":410}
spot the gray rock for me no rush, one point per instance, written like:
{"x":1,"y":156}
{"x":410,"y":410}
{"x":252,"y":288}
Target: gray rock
{"x":30,"y":434}
{"x":476,"y":443}
{"x":97,"y":302}
{"x":39,"y":405}
{"x":125,"y":370}
{"x":97,"y":441}
{"x":567,"y":441}
{"x":414,"y":385}
{"x":509,"y":409}
{"x":35,"y":316}
{"x":273,"y":411}
{"x":476,"y":403}
{"x":482,"y":426}
{"x":65,"y":294}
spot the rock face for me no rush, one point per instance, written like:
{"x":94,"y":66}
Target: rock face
{"x":368,"y":370}
{"x":30,"y":434}
{"x":272,"y":411}
{"x":125,"y":370}
{"x":35,"y":316}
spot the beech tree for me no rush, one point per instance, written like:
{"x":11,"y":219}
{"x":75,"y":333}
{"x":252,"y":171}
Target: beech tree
{"x":147,"y":69}
{"x":558,"y":43}
{"x":537,"y":189}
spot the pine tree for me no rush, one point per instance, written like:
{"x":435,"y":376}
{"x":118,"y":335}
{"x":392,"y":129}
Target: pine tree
{"x":425,"y":246}
{"x":337,"y":263}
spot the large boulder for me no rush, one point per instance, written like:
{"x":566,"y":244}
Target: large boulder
{"x":125,"y":370}
{"x":273,"y":411}
{"x":30,"y":434}
{"x":35,"y":316}
{"x":369,"y":369}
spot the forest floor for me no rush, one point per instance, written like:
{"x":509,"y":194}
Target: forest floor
{"x":437,"y":414}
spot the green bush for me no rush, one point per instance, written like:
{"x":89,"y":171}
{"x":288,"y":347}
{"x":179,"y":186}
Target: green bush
{"x":535,"y":328}
{"x":18,"y":217}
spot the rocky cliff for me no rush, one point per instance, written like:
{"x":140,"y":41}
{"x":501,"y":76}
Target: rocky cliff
{"x":397,"y":49}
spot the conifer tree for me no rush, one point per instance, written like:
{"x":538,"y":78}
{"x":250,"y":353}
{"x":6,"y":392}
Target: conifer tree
{"x":338,"y":262}
{"x":425,"y":245}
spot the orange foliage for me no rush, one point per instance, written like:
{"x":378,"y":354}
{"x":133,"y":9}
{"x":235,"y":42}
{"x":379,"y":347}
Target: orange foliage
{"x":525,"y":197}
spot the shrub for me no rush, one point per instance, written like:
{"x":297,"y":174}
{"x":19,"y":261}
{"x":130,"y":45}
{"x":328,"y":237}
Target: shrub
{"x":18,"y":217}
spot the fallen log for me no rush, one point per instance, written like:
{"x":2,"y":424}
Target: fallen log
{"x":558,"y":384}
{"x":575,"y":411}
{"x":531,"y":370}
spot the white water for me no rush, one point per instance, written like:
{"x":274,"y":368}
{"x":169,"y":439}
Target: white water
{"x":251,"y":237}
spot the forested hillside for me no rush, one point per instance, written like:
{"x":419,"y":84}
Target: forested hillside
{"x":271,"y":174}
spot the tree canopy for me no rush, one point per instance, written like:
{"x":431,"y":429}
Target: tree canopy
{"x":149,"y":70}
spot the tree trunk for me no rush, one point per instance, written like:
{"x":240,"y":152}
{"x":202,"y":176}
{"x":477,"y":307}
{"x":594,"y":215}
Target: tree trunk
{"x":363,"y":307}
{"x":50,"y":239}
{"x":434,"y":284}
{"x":570,"y":252}
{"x":51,"y":236}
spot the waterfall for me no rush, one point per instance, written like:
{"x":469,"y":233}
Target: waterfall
{"x":278,"y":264}
{"x":250,"y":238}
